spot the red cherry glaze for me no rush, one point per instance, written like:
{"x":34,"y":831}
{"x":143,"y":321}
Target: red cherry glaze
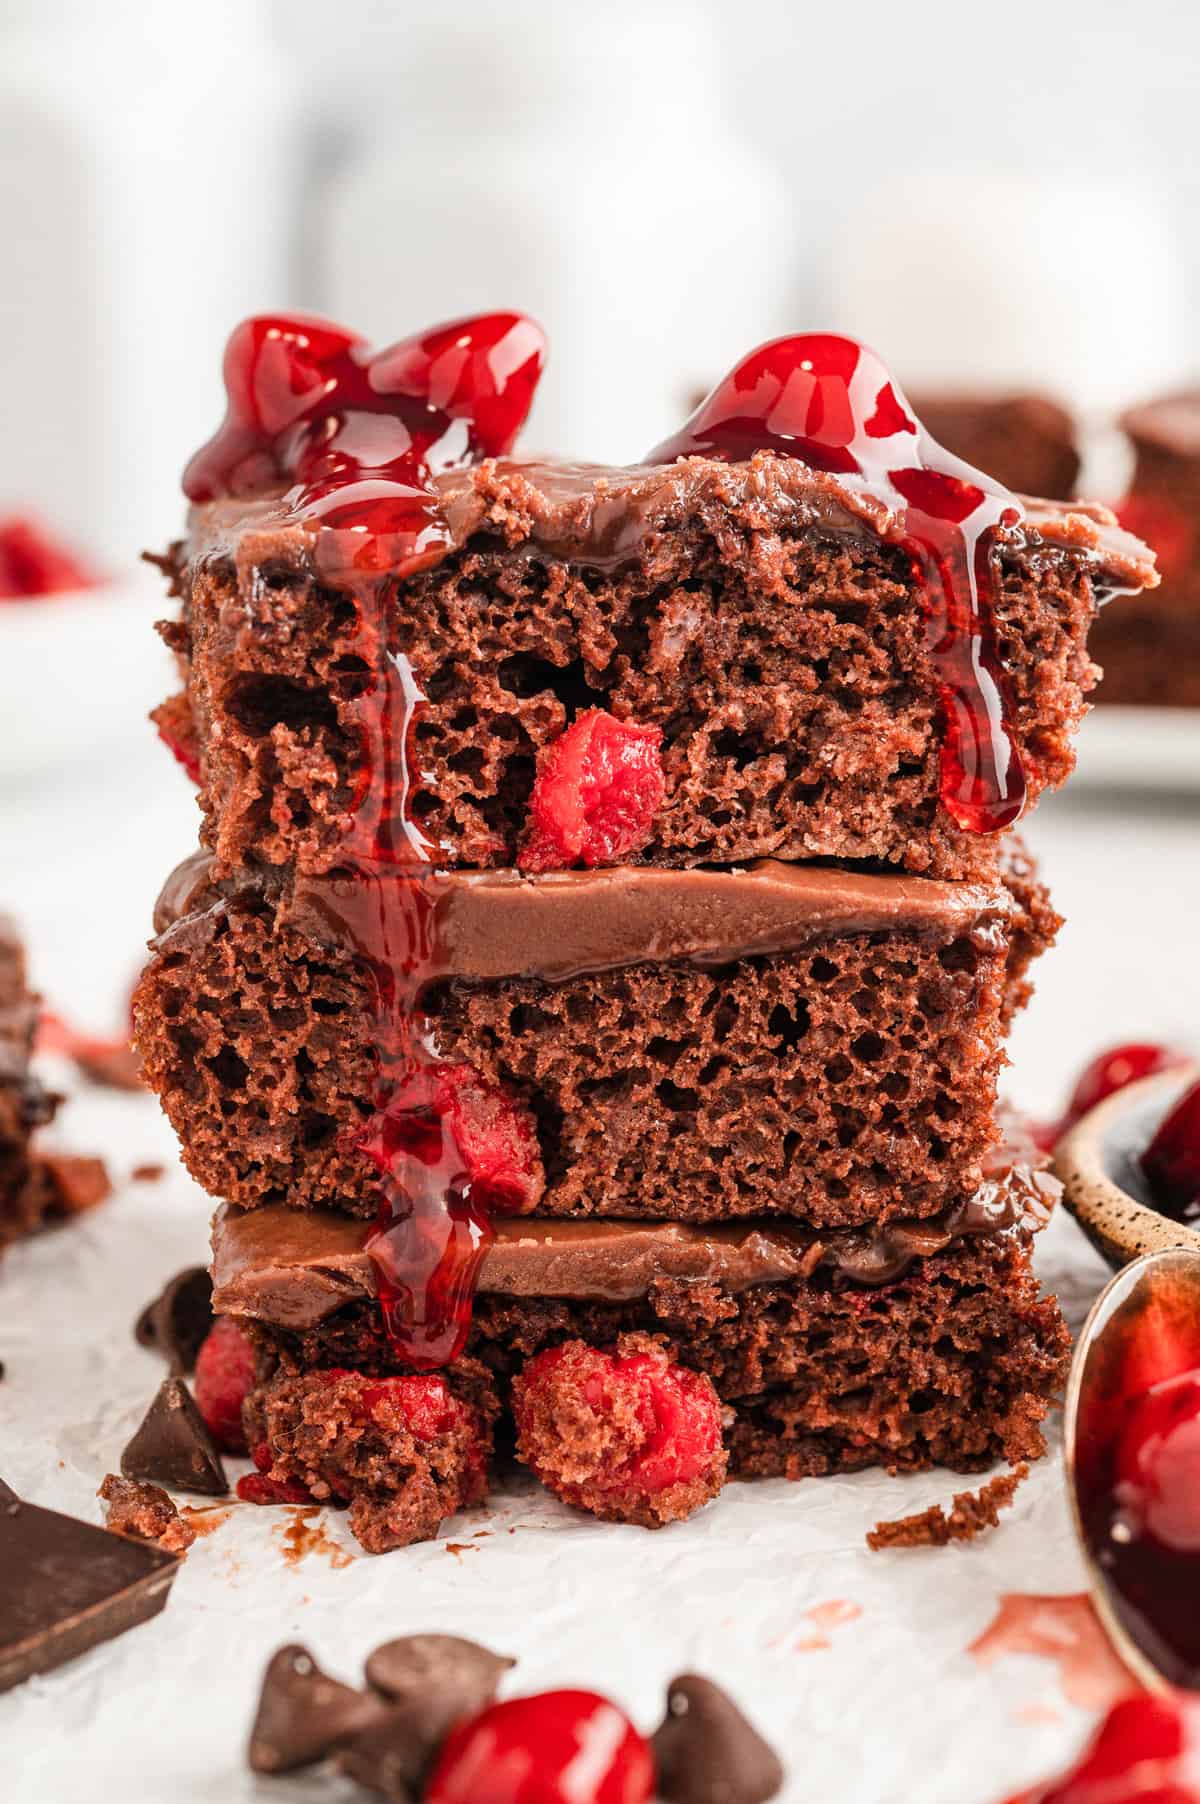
{"x":353,"y":437}
{"x":831,"y":402}
{"x":597,"y":791}
{"x":558,"y":1747}
{"x":1146,"y":1751}
{"x":1172,"y":1160}
{"x":32,"y":563}
{"x":1137,"y":1474}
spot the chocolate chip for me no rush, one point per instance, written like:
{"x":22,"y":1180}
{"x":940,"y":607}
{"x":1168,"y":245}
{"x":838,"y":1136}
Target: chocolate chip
{"x":393,"y":1756}
{"x":457,"y":1676}
{"x":173,"y":1445}
{"x":176,"y":1323}
{"x":707,"y":1753}
{"x":303,"y":1715}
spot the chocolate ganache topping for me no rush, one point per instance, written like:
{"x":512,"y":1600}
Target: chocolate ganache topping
{"x":292,"y":1269}
{"x":555,"y":926}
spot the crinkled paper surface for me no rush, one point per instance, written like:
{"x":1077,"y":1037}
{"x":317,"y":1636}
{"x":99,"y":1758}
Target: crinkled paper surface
{"x":854,"y":1663}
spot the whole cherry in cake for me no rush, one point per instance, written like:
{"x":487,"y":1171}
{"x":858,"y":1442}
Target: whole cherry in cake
{"x":630,"y":1436}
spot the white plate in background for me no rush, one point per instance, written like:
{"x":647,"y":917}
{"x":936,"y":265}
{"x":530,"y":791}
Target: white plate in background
{"x":1140,"y":748}
{"x":79,"y":672}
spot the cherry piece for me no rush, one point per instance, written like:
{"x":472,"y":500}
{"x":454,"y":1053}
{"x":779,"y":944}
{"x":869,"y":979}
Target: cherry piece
{"x":32,"y":563}
{"x":1146,"y":1751}
{"x":558,"y":1747}
{"x":1157,"y":1464}
{"x":1111,"y":1070}
{"x":1172,"y":1160}
{"x":597,"y":790}
{"x":832,"y":403}
{"x":225,"y":1376}
{"x":256,"y":1487}
{"x":629,"y":1436}
{"x":353,"y":435}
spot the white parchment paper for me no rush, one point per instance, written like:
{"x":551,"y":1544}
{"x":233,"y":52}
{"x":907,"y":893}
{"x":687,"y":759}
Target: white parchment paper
{"x":855,"y":1664}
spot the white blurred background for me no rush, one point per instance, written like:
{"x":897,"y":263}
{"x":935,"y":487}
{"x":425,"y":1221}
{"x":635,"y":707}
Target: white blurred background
{"x":994,"y":197}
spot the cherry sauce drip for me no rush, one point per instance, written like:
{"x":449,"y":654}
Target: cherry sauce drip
{"x":353,"y":437}
{"x":832,"y":403}
{"x":1137,"y":1476}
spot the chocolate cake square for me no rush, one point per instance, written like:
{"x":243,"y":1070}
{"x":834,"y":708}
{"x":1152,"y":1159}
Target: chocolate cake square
{"x":753,"y":614}
{"x":685,"y":1045}
{"x":1026,"y":441}
{"x":1149,"y":646}
{"x":901,"y":1347}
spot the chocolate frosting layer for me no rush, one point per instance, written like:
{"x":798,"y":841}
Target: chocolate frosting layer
{"x":494,"y":924}
{"x":292,"y":1268}
{"x":604,"y":515}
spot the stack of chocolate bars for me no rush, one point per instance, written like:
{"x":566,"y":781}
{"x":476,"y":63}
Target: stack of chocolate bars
{"x":588,"y":1003}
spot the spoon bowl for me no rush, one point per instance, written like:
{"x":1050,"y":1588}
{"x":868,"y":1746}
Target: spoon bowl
{"x":1143,"y":1331}
{"x":1104,"y":1187}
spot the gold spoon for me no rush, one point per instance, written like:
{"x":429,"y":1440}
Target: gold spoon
{"x":1148,"y":1314}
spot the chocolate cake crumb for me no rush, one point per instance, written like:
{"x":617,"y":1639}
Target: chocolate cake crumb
{"x":850,"y":1080}
{"x":143,"y":1512}
{"x":76,"y":1183}
{"x":350,"y":1441}
{"x":147,"y":1174}
{"x":973,"y":1512}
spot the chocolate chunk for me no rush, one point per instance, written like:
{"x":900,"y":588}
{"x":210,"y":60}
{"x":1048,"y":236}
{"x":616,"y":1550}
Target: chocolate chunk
{"x":707,"y":1753}
{"x":177,"y":1322}
{"x":173,"y":1445}
{"x":66,"y":1586}
{"x":303,"y":1715}
{"x":452,"y":1676}
{"x":145,"y":1512}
